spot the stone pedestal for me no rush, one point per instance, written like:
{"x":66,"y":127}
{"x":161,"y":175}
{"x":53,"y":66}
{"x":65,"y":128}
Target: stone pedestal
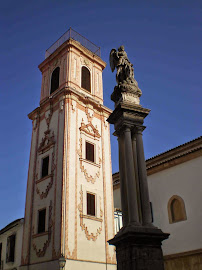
{"x":138,"y":244}
{"x":139,"y":248}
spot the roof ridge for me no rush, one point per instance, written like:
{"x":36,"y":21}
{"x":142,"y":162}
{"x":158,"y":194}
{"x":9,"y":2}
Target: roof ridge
{"x":176,"y":155}
{"x":175,"y":148}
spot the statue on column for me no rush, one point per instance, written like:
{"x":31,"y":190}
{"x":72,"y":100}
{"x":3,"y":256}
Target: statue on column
{"x":125,"y":73}
{"x":138,"y":243}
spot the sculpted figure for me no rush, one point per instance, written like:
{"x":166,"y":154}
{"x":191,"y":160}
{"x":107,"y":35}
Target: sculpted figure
{"x":119,"y":59}
{"x":127,"y":87}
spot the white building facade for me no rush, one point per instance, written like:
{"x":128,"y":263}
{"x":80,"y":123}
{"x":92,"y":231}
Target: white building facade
{"x":11,"y":245}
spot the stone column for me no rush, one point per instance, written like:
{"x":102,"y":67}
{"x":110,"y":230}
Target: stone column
{"x":136,"y":176}
{"x":142,"y":173}
{"x":138,"y":244}
{"x":123,"y":188}
{"x":133,"y":214}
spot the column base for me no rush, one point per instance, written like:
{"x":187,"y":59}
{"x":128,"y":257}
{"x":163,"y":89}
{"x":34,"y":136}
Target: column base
{"x":139,"y":248}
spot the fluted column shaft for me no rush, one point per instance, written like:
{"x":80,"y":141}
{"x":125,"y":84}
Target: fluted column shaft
{"x":133,"y":214}
{"x":142,"y":173}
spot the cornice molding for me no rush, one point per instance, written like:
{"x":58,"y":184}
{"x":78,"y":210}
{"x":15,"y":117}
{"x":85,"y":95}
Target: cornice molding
{"x":66,"y":46}
{"x":72,"y":94}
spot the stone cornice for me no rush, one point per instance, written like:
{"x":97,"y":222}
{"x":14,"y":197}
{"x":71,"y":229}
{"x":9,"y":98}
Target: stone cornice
{"x":68,"y":92}
{"x":71,"y":43}
{"x":127,"y":114}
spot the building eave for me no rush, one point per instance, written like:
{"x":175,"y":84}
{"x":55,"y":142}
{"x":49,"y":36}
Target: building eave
{"x":170,"y":158}
{"x":12,"y":225}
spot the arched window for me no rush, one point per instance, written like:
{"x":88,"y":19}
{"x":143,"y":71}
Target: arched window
{"x":176,"y":209}
{"x":55,"y":80}
{"x":85,"y":79}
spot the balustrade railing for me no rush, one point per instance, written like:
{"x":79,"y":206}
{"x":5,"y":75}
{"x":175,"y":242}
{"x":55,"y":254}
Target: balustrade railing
{"x":77,"y":37}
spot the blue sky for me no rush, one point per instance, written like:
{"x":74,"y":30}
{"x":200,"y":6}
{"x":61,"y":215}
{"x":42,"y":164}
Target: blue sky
{"x":163,"y":41}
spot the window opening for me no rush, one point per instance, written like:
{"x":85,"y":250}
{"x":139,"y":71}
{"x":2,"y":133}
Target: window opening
{"x":55,"y":80}
{"x":176,"y":209}
{"x":151,"y":208}
{"x":41,"y":221}
{"x":85,"y":79}
{"x":45,"y":166}
{"x":90,"y":152}
{"x":10,"y":256}
{"x":90,"y":204}
{"x":0,"y":253}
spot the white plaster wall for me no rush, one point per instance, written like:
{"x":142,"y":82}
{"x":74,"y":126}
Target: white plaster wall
{"x":82,"y":265}
{"x":71,"y":265}
{"x":88,"y":249}
{"x":58,"y":180}
{"x":117,"y":198}
{"x":29,"y":194}
{"x":18,"y":230}
{"x":183,"y":180}
{"x":56,"y":126}
{"x":95,"y":72}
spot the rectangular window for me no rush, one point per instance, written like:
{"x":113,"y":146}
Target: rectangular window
{"x":0,"y":254}
{"x":10,"y":255}
{"x":151,"y":208}
{"x":90,"y":204}
{"x":41,"y":221}
{"x":45,"y":165}
{"x":90,"y":151}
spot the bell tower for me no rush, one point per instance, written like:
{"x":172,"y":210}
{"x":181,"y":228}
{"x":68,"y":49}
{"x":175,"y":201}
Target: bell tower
{"x":69,"y":212}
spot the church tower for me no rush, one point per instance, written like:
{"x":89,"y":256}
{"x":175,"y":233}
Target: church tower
{"x":69,"y":203}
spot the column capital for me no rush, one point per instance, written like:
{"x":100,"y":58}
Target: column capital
{"x":124,"y":128}
{"x":138,"y":129}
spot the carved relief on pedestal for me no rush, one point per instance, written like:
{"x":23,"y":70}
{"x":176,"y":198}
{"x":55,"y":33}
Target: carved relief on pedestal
{"x":131,"y":98}
{"x":40,"y":252}
{"x":84,"y":227}
{"x":90,"y":133}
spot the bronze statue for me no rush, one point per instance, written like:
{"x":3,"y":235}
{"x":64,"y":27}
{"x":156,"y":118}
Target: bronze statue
{"x":125,"y":71}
